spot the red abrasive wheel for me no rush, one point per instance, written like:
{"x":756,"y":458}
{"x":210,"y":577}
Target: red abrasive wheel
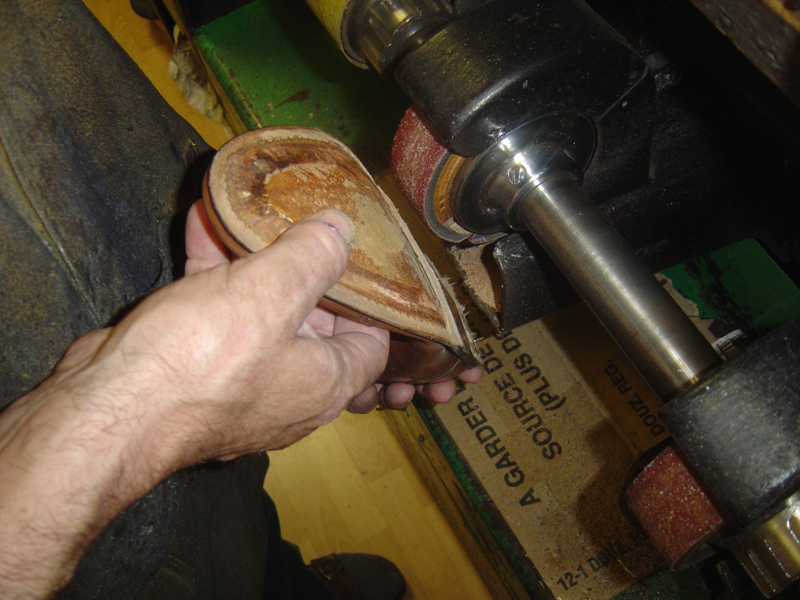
{"x":424,"y":169}
{"x":673,"y":508}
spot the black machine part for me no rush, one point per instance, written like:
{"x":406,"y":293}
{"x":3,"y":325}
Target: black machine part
{"x":506,"y":63}
{"x":703,"y":193}
{"x":542,"y":97}
{"x":739,"y":427}
{"x":478,"y":76}
{"x":709,"y":183}
{"x":667,"y":168}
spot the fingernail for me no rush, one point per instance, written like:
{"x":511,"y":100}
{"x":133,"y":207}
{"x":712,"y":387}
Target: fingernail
{"x":338,"y":221}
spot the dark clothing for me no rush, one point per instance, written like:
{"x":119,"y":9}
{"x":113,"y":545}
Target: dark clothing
{"x":96,"y":174}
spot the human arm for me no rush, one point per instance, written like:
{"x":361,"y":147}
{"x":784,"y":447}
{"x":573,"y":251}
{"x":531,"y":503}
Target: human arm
{"x":232,"y":359}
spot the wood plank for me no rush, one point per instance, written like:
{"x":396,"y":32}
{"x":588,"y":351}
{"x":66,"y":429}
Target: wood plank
{"x":317,"y":507}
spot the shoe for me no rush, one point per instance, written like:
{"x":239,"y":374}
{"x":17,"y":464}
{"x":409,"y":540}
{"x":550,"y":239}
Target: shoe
{"x":360,"y":577}
{"x":262,"y":181}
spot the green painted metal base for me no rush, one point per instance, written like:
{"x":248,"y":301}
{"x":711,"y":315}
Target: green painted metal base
{"x":740,"y":285}
{"x":276,"y":65}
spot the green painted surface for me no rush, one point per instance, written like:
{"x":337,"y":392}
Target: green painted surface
{"x":741,"y":285}
{"x":278,"y":66}
{"x":666,"y":585}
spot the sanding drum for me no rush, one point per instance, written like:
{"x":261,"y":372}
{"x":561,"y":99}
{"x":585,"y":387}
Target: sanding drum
{"x":424,"y":169}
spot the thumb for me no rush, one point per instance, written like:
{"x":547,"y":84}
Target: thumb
{"x":296,"y":270}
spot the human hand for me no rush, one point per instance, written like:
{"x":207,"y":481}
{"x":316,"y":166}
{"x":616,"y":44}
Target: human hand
{"x":224,"y":362}
{"x":234,"y":358}
{"x":205,"y":250}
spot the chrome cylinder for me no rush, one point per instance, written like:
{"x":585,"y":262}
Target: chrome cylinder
{"x":770,"y":552}
{"x":660,"y":340}
{"x":381,"y":32}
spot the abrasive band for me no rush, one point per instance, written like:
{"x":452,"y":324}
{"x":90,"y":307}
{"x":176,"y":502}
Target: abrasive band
{"x":673,"y":508}
{"x":424,"y":169}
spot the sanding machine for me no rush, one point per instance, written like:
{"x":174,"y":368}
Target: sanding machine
{"x":567,"y":149}
{"x":528,"y":116}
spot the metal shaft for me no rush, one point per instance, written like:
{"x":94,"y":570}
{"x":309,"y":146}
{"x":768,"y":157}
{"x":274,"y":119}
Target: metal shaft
{"x":658,"y":337}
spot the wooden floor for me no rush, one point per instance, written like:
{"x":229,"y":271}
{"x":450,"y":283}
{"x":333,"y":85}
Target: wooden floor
{"x":348,"y":487}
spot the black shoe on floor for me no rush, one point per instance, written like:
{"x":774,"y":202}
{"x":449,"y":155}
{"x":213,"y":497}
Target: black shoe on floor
{"x":360,"y":577}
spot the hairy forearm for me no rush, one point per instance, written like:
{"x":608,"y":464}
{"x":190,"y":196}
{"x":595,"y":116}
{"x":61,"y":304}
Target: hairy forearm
{"x":68,"y":464}
{"x":231,"y":360}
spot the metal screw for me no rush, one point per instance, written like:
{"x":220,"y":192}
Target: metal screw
{"x":517,"y":174}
